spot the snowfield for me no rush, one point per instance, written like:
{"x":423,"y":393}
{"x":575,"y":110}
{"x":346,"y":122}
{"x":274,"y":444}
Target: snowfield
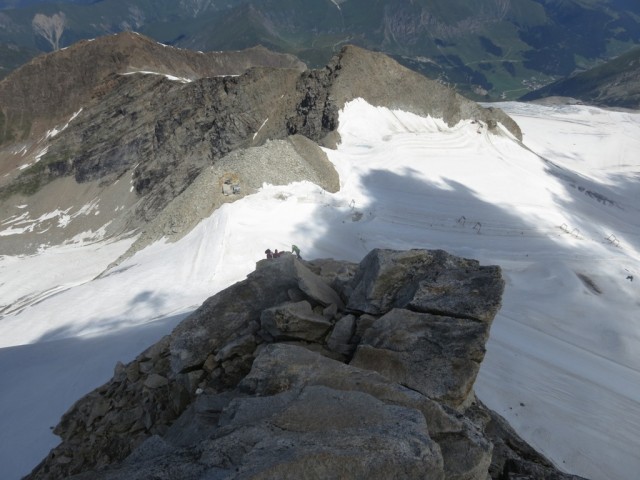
{"x":560,"y":215}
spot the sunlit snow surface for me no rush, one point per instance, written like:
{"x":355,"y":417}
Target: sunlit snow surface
{"x":560,"y":216}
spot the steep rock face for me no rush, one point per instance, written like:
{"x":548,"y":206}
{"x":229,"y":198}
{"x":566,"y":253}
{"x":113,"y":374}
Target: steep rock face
{"x":91,"y":115}
{"x":251,"y":386}
{"x":381,"y":81}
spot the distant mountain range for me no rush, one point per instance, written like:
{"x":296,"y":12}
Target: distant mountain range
{"x":488,"y":49}
{"x":615,"y":84}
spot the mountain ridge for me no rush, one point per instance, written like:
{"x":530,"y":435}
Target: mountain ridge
{"x":160,"y":133}
{"x":616,"y":83}
{"x":53,"y":86}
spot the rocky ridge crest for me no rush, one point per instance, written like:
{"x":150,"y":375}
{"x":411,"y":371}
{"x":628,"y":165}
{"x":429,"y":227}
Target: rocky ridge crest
{"x":50,"y":88}
{"x":321,"y":369}
{"x":160,"y":134}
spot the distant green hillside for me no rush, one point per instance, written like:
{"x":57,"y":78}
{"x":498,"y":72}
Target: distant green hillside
{"x":10,"y":4}
{"x":615,"y":83}
{"x":12,"y":56}
{"x":488,"y":49}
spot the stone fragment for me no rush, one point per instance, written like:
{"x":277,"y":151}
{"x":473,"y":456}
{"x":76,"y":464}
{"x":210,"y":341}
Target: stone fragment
{"x":437,"y":356}
{"x":210,"y":363}
{"x":296,"y":295}
{"x":430,"y":281}
{"x":362,"y":324}
{"x":467,"y":291}
{"x":145,"y":367}
{"x":157,"y":350}
{"x":339,"y":340}
{"x":233,"y":310}
{"x":133,"y":372}
{"x":337,"y":274}
{"x":243,"y":345}
{"x":294,"y":321}
{"x":314,"y":288}
{"x":99,"y":408}
{"x":155,"y":381}
{"x":330,"y":312}
{"x":119,"y":372}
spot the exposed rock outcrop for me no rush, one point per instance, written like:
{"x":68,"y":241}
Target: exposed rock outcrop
{"x":260,"y":382}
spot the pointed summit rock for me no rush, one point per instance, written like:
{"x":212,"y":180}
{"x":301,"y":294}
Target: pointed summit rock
{"x":228,"y":395}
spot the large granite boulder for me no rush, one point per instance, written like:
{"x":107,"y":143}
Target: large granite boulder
{"x":435,"y":355}
{"x":262,"y":380}
{"x":237,"y":310}
{"x":430,"y":281}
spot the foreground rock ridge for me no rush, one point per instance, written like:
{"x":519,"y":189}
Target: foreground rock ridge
{"x":319,"y":369}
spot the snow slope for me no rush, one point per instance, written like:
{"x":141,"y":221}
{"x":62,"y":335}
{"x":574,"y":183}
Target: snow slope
{"x":560,"y":215}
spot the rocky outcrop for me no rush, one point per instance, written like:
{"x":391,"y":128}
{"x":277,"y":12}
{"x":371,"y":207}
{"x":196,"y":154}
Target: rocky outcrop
{"x":290,"y":374}
{"x":397,"y":87}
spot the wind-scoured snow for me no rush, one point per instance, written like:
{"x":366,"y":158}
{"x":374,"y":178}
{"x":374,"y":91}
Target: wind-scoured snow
{"x":258,"y":131}
{"x":173,"y":78}
{"x":563,"y":360}
{"x":27,"y":280}
{"x":23,"y":223}
{"x":38,"y":156}
{"x":55,"y":131}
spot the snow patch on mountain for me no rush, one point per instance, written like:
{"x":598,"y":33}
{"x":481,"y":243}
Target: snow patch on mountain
{"x":55,"y":131}
{"x":23,"y":223}
{"x":173,"y":78}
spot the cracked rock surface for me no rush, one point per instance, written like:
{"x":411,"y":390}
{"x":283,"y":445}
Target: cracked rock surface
{"x":265,"y":380}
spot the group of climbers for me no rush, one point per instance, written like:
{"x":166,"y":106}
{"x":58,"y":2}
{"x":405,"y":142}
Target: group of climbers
{"x":275,"y":254}
{"x":271,"y":254}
